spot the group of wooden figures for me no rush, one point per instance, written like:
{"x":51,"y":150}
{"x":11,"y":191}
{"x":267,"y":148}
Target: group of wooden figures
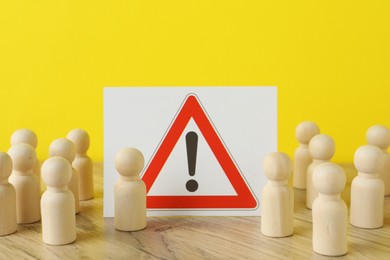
{"x":68,"y":176}
{"x":324,"y":181}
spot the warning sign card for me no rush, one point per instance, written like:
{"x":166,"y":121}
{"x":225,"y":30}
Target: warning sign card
{"x":203,"y":146}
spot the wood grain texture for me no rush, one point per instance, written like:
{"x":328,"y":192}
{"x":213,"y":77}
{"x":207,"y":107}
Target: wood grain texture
{"x":191,"y":237}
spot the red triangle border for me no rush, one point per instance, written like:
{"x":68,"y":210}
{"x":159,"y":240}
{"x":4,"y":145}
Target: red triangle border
{"x":192,"y":108}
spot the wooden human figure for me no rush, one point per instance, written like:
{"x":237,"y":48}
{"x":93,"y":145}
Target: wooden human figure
{"x":57,"y":203}
{"x":65,"y":148}
{"x":330,"y":213}
{"x":367,"y":189}
{"x":379,"y":136}
{"x":277,"y":197}
{"x":7,"y":197}
{"x":82,"y":163}
{"x":27,"y":136}
{"x":129,"y":191}
{"x":302,"y":158}
{"x":322,"y":149}
{"x":25,"y":183}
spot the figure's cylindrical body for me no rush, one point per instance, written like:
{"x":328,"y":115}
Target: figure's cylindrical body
{"x":304,"y":132}
{"x":367,"y":198}
{"x":330,"y":219}
{"x":73,"y":186}
{"x":58,"y":217}
{"x":84,"y":168}
{"x":27,"y":197}
{"x":37,"y":171}
{"x":302,"y":160}
{"x":385,"y":172}
{"x":8,"y":209}
{"x":311,"y":192}
{"x":277,"y":210}
{"x":130,"y":205}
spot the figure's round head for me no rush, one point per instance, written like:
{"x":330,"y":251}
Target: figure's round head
{"x":329,"y":178}
{"x":368,"y":159}
{"x":277,"y":166}
{"x":5,"y":166}
{"x":129,"y":162}
{"x":23,"y":156}
{"x":322,"y":147}
{"x":305,"y":131}
{"x":24,"y":136}
{"x":56,"y":172}
{"x":80,"y":138}
{"x":63,"y":147}
{"x":378,"y":135}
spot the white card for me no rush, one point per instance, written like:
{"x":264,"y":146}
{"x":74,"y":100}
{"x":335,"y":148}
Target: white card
{"x":203,"y":146}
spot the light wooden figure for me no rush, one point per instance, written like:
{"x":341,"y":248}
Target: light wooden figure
{"x":27,"y":136}
{"x":302,"y":158}
{"x":367,"y":189}
{"x":57,"y":203}
{"x":380,"y":136}
{"x":277,"y":197}
{"x":82,"y":163}
{"x":322,"y":149}
{"x":26,"y":185}
{"x":129,"y":191}
{"x":65,"y":148}
{"x":330,"y":213}
{"x":7,"y":197}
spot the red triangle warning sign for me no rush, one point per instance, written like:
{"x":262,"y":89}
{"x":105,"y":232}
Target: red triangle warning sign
{"x":192,"y":108}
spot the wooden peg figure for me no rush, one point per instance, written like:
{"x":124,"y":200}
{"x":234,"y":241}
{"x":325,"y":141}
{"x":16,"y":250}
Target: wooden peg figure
{"x":7,"y":197}
{"x":322,"y":149}
{"x":302,"y":158}
{"x":330,"y":213}
{"x":26,"y":185}
{"x":27,"y":136}
{"x":65,"y":148}
{"x":57,"y":204}
{"x":82,"y":163}
{"x":380,"y":136}
{"x":277,"y":197}
{"x":129,"y":191}
{"x":367,"y":189}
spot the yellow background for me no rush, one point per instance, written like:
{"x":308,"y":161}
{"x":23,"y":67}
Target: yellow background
{"x":330,"y":60}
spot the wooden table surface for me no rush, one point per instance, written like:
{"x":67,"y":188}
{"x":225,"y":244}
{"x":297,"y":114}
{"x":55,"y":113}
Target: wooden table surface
{"x":191,"y":237}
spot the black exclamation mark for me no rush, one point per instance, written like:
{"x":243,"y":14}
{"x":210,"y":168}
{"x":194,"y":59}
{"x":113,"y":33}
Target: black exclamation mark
{"x":192,"y":147}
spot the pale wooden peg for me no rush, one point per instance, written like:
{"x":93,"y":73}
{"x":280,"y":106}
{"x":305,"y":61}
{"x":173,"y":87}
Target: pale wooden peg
{"x":129,"y":191}
{"x":277,"y":197}
{"x":322,"y":149}
{"x":330,"y":213}
{"x":65,"y":148}
{"x":302,"y":158}
{"x":7,"y":197}
{"x":27,"y":136}
{"x":367,"y":189}
{"x":379,"y":136}
{"x":26,"y":185}
{"x":82,"y":163}
{"x":57,"y":203}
